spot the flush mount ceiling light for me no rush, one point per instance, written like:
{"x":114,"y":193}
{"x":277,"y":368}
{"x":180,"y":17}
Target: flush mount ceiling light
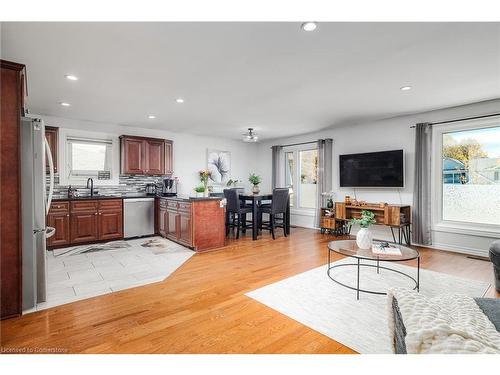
{"x":405,"y":88}
{"x":151,"y":117}
{"x":309,"y":26}
{"x":179,"y":100}
{"x":71,"y":77}
{"x":64,"y":104}
{"x":250,"y":136}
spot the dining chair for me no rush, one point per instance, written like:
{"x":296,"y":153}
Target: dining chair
{"x":236,"y":214}
{"x":276,"y":211}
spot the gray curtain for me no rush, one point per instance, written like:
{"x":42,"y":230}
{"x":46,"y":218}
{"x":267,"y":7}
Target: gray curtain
{"x":324,"y":180}
{"x":276,"y":172}
{"x":421,"y":210}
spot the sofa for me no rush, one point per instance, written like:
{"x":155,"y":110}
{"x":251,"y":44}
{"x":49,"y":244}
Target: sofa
{"x":495,"y":259}
{"x":446,"y":324}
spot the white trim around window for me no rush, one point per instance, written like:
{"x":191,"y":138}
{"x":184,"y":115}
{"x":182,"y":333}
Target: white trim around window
{"x":65,"y":135}
{"x":438,"y":223}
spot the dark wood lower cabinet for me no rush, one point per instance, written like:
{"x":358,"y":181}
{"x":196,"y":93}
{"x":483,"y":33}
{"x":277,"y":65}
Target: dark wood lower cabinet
{"x":59,"y":221}
{"x":185,"y":228}
{"x":110,"y":219}
{"x":79,"y":222}
{"x":198,"y":224}
{"x":84,"y":227}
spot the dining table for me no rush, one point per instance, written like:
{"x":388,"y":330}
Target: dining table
{"x":256,"y":201}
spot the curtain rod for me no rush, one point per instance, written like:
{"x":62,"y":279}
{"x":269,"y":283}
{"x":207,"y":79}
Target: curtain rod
{"x":301,"y":143}
{"x":296,"y":144}
{"x":461,"y":119}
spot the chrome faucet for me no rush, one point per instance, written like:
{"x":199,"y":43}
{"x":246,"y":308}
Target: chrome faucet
{"x":91,"y":186}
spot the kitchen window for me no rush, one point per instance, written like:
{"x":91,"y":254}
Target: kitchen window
{"x":301,"y":166}
{"x":89,"y":155}
{"x":466,"y":185}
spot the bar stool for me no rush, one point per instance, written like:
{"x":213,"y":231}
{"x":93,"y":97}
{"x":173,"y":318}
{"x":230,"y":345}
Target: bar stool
{"x":276,"y":211}
{"x":236,"y":212}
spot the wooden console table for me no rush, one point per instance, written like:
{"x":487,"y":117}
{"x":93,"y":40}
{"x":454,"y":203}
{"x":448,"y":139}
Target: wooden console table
{"x":395,"y":216}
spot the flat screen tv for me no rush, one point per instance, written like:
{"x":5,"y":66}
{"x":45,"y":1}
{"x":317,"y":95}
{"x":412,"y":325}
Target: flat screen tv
{"x":372,"y":169}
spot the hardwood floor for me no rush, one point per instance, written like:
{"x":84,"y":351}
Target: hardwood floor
{"x":201,"y":308}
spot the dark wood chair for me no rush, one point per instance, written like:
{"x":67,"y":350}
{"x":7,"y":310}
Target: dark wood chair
{"x":276,"y":211}
{"x":236,"y":214}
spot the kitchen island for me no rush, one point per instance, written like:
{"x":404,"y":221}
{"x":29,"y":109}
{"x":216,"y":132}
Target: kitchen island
{"x":195,"y":222}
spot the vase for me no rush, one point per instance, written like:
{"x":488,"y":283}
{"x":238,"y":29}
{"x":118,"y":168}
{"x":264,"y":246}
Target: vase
{"x":256,"y":189}
{"x":199,"y":194}
{"x":364,"y":239}
{"x":329,"y":204}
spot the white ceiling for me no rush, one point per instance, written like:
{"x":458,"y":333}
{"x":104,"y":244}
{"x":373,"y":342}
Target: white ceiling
{"x":270,"y":76}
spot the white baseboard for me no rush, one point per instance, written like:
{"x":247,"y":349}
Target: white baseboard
{"x":457,"y":249}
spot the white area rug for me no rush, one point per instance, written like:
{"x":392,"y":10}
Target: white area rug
{"x":81,"y":272}
{"x":314,"y":300}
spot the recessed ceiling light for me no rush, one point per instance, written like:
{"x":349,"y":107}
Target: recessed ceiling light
{"x":151,"y":117}
{"x":64,"y":104}
{"x":309,"y":26}
{"x":71,"y":77}
{"x":179,"y":100}
{"x":405,"y":88}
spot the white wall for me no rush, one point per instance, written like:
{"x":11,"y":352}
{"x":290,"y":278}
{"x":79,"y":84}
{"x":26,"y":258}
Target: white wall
{"x":394,"y":133}
{"x":189,"y":150}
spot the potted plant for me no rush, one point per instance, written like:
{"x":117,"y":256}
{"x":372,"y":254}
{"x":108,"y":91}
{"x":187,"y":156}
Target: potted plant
{"x":232,"y":182}
{"x":200,"y":190}
{"x":255,"y":180}
{"x":204,"y":175}
{"x":364,"y":237}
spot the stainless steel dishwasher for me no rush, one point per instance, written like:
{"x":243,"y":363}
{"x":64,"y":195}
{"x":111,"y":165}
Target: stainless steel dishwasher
{"x":138,"y":217}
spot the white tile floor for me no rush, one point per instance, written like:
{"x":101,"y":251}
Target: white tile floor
{"x":75,"y":277}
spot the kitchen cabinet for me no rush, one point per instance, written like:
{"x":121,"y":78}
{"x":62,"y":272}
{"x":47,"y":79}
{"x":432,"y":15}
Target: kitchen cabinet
{"x":169,"y":157}
{"x":185,"y":228}
{"x":132,"y":155}
{"x":110,"y":219}
{"x":85,"y":221}
{"x":146,"y":156}
{"x":83,"y":218}
{"x":58,"y":218}
{"x":162,"y":221}
{"x":155,"y":157}
{"x":13,"y":105}
{"x":198,"y":224}
{"x":172,"y":225}
{"x":52,"y":135}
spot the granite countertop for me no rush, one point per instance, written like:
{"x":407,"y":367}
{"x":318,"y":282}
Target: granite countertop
{"x":187,"y":198}
{"x":183,"y":198}
{"x":100,"y":197}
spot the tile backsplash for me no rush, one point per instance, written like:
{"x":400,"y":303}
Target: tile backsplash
{"x":128,"y":185}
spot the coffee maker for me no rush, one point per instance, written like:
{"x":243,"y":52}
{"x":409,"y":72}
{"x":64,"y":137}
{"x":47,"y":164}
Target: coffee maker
{"x":169,"y":187}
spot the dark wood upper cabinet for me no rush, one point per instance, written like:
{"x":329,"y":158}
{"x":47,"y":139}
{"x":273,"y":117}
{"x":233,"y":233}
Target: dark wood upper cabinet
{"x":132,"y":155}
{"x":169,"y":157}
{"x":13,"y":93}
{"x":52,"y":135}
{"x":147,"y":156}
{"x":155,"y":156}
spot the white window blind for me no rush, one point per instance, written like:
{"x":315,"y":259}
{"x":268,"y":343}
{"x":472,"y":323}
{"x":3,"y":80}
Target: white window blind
{"x":87,"y":157}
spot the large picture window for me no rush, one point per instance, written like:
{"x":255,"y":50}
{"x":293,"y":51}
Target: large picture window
{"x":301,"y":167}
{"x":466,"y":182}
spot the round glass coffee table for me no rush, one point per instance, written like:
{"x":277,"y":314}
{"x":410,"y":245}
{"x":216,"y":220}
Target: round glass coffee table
{"x":349,"y":248}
